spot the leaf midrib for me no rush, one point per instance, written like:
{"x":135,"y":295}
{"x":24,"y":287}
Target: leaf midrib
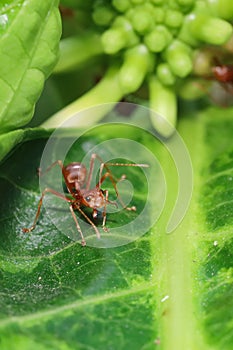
{"x":179,"y":328}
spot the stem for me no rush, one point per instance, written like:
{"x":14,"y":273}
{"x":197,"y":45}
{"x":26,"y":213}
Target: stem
{"x":77,"y":50}
{"x":163,"y":106}
{"x":136,"y":65}
{"x":107,"y":91}
{"x":209,"y":29}
{"x":201,"y":26}
{"x":222,"y":8}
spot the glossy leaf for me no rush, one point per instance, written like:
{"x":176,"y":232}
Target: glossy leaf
{"x":12,"y":139}
{"x":29,"y":37}
{"x":168,"y":291}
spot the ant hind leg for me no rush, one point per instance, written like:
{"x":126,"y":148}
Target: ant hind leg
{"x":46,"y":190}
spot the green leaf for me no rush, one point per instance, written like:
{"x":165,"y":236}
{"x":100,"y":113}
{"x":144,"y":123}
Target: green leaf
{"x":10,"y":140}
{"x":169,"y":289}
{"x":59,"y":274}
{"x":29,"y":37}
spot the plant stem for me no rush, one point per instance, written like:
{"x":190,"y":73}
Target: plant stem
{"x":78,"y":50}
{"x":107,"y":91}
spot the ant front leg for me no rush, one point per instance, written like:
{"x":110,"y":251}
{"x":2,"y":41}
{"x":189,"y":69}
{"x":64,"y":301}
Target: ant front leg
{"x":75,"y":206}
{"x":114,"y":183}
{"x":105,"y":192}
{"x":110,"y":175}
{"x":103,"y":165}
{"x":91,"y":168}
{"x":77,"y":225}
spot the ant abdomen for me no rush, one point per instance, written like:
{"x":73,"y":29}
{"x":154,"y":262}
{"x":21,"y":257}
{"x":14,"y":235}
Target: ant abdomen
{"x":75,"y":172}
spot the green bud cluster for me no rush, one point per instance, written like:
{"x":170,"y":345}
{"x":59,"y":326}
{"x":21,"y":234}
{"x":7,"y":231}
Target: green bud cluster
{"x":155,"y":42}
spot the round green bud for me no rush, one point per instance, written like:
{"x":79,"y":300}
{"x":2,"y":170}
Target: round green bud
{"x":173,"y":18}
{"x":156,"y":40}
{"x":141,"y":20}
{"x":178,"y":56}
{"x":164,"y":74}
{"x":102,"y":15}
{"x":121,"y":5}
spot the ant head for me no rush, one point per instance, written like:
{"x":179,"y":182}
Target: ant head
{"x":94,"y":198}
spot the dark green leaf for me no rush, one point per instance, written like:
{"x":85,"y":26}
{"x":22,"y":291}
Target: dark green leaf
{"x":174,"y":290}
{"x":44,"y":272}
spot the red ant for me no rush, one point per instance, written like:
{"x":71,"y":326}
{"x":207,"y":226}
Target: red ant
{"x":222,"y":91}
{"x":78,"y":180}
{"x":66,"y":12}
{"x":223,"y":72}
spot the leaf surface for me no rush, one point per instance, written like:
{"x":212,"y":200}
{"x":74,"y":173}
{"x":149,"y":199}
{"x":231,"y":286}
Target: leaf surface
{"x":29,"y":36}
{"x":168,"y":291}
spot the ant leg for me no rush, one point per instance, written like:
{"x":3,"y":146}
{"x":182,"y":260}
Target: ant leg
{"x":105,"y":211}
{"x":88,"y":220}
{"x":94,"y":156}
{"x":91,"y":167}
{"x":104,"y":165}
{"x":110,"y":175}
{"x":46,"y":190}
{"x":77,"y":225}
{"x":114,"y":183}
{"x":141,"y":165}
{"x":57,"y":162}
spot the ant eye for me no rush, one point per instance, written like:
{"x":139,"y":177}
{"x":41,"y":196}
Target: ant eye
{"x":88,"y":198}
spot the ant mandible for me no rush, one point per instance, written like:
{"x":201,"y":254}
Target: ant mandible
{"x":78,"y":180}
